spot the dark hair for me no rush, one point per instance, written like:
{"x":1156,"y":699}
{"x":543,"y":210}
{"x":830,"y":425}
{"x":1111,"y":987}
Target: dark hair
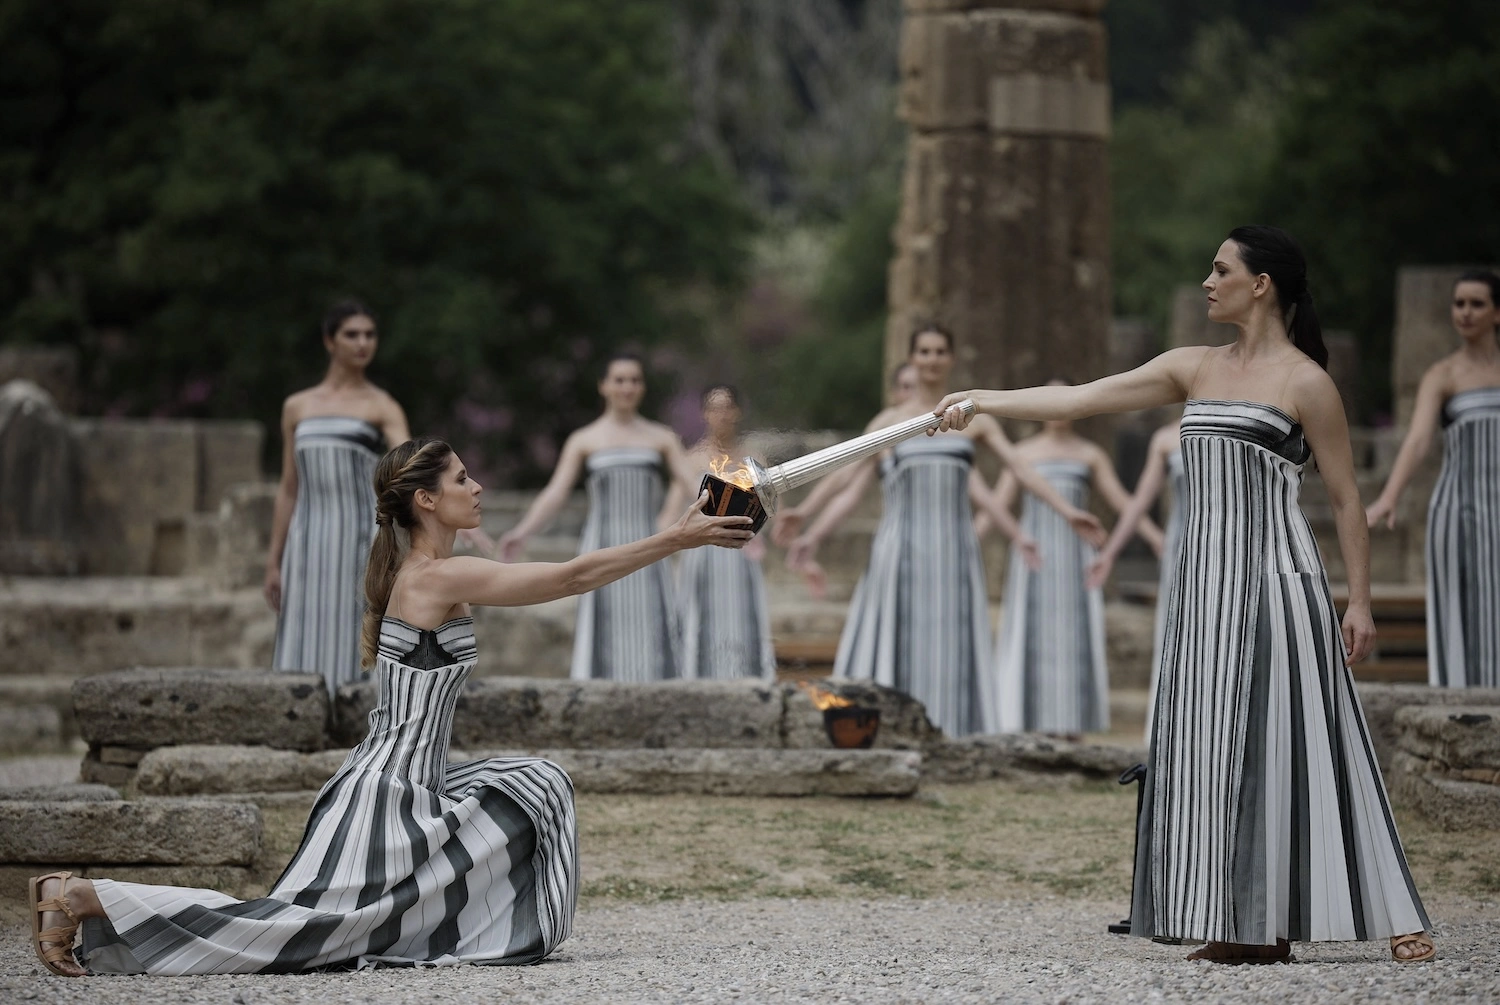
{"x":335,"y":316}
{"x":1276,"y":253}
{"x":415,"y":464}
{"x":896,"y":373}
{"x":710,"y":391}
{"x":1484,"y":276}
{"x":621,"y":357}
{"x":920,"y":330}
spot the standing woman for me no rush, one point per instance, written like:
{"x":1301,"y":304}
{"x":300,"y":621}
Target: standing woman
{"x":1163,"y":463}
{"x":726,"y":622}
{"x":1264,"y":818}
{"x":332,"y":434}
{"x":1050,"y":657}
{"x":626,"y":631}
{"x":919,"y":620}
{"x":1462,"y":391}
{"x":406,"y":858}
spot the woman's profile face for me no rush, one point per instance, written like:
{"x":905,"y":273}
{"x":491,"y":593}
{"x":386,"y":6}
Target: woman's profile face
{"x":354,"y":343}
{"x":457,"y":502}
{"x":931,"y":357}
{"x":1230,"y":286}
{"x":721,"y":415}
{"x":1474,"y":313}
{"x":624,"y":384}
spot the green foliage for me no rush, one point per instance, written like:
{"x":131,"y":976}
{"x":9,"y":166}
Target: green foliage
{"x":1386,"y":153}
{"x":506,"y":181}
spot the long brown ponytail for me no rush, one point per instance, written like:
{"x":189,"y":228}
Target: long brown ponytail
{"x":415,"y":464}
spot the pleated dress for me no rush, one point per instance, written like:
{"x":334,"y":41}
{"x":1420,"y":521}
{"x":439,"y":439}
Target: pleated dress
{"x":327,"y":546}
{"x":1171,"y":547}
{"x":627,"y":631}
{"x":1264,"y":815}
{"x":1050,"y":658}
{"x":406,"y":858}
{"x":1463,"y":546}
{"x":919,"y":619}
{"x":725,"y":620}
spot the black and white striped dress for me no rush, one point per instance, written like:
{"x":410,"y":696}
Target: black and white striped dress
{"x":627,"y":631}
{"x":1463,"y":546}
{"x":725,"y":619}
{"x":1050,"y":658}
{"x":919,"y":621}
{"x":1264,"y":813}
{"x":406,"y":858}
{"x":1171,"y":546}
{"x":327,"y":546}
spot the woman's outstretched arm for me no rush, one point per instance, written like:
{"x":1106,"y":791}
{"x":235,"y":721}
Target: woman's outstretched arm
{"x":1424,"y":421}
{"x":545,"y":506}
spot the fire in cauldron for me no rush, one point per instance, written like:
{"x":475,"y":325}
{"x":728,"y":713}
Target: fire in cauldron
{"x":849,"y":726}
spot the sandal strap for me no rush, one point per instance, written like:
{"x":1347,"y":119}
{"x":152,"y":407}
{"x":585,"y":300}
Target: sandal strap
{"x":57,"y":934}
{"x":58,"y":904}
{"x":57,"y":953}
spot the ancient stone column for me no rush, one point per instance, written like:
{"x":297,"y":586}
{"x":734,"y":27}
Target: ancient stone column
{"x":1003,"y":236}
{"x":39,"y":527}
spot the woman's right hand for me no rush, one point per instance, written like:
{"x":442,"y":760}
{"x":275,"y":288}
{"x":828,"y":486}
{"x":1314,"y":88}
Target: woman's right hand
{"x":1099,"y":570}
{"x":787,"y":526}
{"x":1381,"y":511}
{"x":509,"y":548}
{"x":272,"y":587}
{"x":697,"y":528}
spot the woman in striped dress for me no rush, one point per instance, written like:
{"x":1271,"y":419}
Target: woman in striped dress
{"x":1462,"y":392}
{"x":1264,"y":819}
{"x":332,"y":436}
{"x":1049,"y":661}
{"x":406,"y":858}
{"x":912,"y":624}
{"x":626,"y":631}
{"x":1163,"y":466}
{"x":726,"y":621}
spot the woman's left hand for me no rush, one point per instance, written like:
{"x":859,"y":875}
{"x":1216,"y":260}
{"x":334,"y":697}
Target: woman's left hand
{"x":1359,"y":632}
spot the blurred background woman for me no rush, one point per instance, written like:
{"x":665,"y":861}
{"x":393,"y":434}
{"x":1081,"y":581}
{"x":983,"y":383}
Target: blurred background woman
{"x":628,"y":630}
{"x":1462,"y":393}
{"x":1049,"y":660}
{"x":725,"y":619}
{"x":332,"y":436}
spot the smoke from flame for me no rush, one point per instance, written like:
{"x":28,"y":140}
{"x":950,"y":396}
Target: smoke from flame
{"x":822,"y":698}
{"x":738,"y":475}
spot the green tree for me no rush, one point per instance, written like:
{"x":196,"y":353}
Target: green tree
{"x":1386,"y":153}
{"x":506,"y":181}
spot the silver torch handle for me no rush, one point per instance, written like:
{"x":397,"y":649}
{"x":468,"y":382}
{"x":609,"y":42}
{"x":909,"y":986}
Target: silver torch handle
{"x":779,"y":478}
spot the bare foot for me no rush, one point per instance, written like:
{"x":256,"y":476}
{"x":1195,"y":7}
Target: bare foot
{"x":1234,"y":952}
{"x":1413,"y":948}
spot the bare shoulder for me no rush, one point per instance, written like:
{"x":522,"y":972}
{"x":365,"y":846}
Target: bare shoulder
{"x":1440,"y":376}
{"x":885,"y":417}
{"x":1312,"y":392}
{"x":662,"y":434}
{"x":1185,"y":362}
{"x":296,"y":404}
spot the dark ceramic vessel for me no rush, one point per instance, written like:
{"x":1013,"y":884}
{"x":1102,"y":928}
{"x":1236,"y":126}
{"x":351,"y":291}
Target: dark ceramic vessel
{"x":851,"y":727}
{"x":726,"y":499}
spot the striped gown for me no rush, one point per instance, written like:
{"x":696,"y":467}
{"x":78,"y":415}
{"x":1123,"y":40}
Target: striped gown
{"x":1264,"y":815}
{"x":919,"y":620}
{"x":327,"y":545}
{"x":1171,"y":546}
{"x":627,"y":631}
{"x":1050,"y":658}
{"x":1463,"y":546}
{"x":725,"y":620}
{"x":406,"y":858}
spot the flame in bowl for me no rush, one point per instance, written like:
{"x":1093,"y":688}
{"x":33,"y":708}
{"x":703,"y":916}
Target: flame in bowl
{"x":822,"y":698}
{"x":739,"y":475}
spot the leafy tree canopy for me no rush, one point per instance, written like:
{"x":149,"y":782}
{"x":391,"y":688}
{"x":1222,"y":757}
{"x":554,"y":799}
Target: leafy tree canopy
{"x":505,"y":181}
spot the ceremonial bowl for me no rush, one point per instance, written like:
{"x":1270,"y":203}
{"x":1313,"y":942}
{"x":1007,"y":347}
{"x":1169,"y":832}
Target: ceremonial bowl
{"x":851,"y":727}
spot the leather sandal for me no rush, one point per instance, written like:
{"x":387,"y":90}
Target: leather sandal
{"x":1233,"y":954}
{"x":53,"y":945}
{"x":1415,"y":939}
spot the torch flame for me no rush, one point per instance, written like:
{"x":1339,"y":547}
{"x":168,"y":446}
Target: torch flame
{"x":822,"y":698}
{"x":738,"y":475}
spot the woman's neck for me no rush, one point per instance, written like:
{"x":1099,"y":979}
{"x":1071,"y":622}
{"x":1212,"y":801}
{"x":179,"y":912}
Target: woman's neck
{"x":1482,"y":350}
{"x":433,"y":542}
{"x":929,"y":394}
{"x":1262,"y":335}
{"x":343,"y":377}
{"x":623,"y":416}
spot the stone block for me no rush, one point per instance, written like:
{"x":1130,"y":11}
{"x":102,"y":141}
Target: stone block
{"x":144,"y":831}
{"x":903,"y":719}
{"x":229,"y":453}
{"x":154,"y":708}
{"x":723,"y":772}
{"x":134,"y":474}
{"x":1451,"y":737}
{"x":1453,"y":804}
{"x":213,"y":769}
{"x":78,"y":792}
{"x":39,"y":515}
{"x":29,"y":729}
{"x":976,"y":758}
{"x":93,"y":771}
{"x":53,"y":369}
{"x":1381,"y":702}
{"x":244,"y":534}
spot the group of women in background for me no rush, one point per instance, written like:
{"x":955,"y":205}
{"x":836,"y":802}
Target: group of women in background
{"x":1264,"y":819}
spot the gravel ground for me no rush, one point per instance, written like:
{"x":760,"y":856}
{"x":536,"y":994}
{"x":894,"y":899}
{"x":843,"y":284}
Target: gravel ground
{"x":849,"y":950}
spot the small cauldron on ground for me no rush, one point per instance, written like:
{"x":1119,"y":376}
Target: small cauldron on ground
{"x":851,"y":727}
{"x":728,"y":499}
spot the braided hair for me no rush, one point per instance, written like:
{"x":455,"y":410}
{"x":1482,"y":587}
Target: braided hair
{"x":414,"y":465}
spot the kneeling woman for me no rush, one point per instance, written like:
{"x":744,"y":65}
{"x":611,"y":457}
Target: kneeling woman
{"x":406,"y":858}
